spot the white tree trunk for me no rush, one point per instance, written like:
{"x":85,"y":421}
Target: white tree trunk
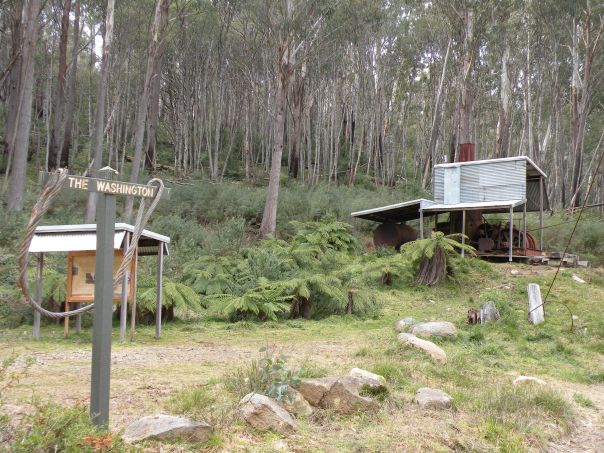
{"x":29,"y":36}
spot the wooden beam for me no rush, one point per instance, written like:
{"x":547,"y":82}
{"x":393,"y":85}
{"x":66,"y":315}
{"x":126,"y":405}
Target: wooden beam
{"x":511,"y":238}
{"x":124,"y":295}
{"x":463,"y":233}
{"x":160,"y":271}
{"x":39,"y":270}
{"x":541,"y":213}
{"x":133,"y":310}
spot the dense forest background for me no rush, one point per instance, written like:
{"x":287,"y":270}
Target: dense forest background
{"x":342,"y":92}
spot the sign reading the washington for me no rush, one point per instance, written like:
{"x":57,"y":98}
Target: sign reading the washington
{"x":110,"y":187}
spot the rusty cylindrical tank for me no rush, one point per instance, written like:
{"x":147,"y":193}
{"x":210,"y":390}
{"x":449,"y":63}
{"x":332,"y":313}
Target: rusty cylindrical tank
{"x":393,"y":235}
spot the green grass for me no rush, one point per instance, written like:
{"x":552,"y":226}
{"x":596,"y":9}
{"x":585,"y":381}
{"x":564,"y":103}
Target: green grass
{"x":583,"y":400}
{"x":490,"y":414}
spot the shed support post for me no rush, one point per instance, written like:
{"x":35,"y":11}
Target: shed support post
{"x":524,"y":228}
{"x":511,"y":238}
{"x":78,"y":320}
{"x":421,"y":224}
{"x":103,"y":299}
{"x":133,"y":310}
{"x":124,"y":295}
{"x":463,"y":233}
{"x":541,"y":213}
{"x":38,"y":295}
{"x":66,"y":321}
{"x":160,"y":271}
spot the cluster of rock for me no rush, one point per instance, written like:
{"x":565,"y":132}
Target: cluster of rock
{"x":342,"y":394}
{"x":414,"y":333}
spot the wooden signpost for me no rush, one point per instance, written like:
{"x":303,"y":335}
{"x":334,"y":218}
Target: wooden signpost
{"x":106,"y":189}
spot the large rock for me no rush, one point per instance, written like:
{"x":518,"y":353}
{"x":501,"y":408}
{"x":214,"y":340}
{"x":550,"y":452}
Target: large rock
{"x":344,"y":395}
{"x":295,"y":403}
{"x":264,"y":413}
{"x":442,"y":329}
{"x":313,"y":390}
{"x":428,"y":398}
{"x":489,"y":312}
{"x":405,"y":324}
{"x":536,"y":314}
{"x":364,"y":374}
{"x":435,"y":352}
{"x":167,"y":427}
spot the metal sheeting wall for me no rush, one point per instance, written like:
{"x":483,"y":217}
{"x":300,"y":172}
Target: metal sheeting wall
{"x":439,"y":185}
{"x":493,"y":181}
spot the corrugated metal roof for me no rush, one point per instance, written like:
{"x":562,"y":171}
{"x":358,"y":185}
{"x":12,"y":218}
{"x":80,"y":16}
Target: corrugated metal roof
{"x":80,"y":238}
{"x":400,"y":212}
{"x":70,"y":242}
{"x":485,"y":206}
{"x":531,"y":168}
{"x":86,"y":227}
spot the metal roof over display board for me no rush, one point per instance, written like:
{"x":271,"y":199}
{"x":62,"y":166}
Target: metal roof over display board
{"x":82,"y":238}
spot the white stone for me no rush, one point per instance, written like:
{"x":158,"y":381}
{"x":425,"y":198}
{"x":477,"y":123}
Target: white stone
{"x":435,"y":352}
{"x":264,"y":413}
{"x":536,"y":314}
{"x":528,"y":380}
{"x":428,"y":398}
{"x":441,"y":329}
{"x":578,"y":279}
{"x":364,"y":374}
{"x":405,"y":324}
{"x":163,"y":427}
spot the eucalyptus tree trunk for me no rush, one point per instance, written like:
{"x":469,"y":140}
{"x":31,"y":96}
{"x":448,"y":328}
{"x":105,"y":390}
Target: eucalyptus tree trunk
{"x":436,"y":116}
{"x":580,"y":98}
{"x":465,"y":108}
{"x":12,"y":86}
{"x":269,"y":217}
{"x":503,"y":122}
{"x":298,"y":99}
{"x":72,"y":89}
{"x":158,"y":31}
{"x":99,"y":117}
{"x":56,"y":133}
{"x":155,"y":90}
{"x":20,"y":135}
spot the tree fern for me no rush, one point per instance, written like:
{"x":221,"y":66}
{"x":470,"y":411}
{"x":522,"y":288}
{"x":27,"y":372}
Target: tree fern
{"x":54,"y":286}
{"x":430,"y":256}
{"x":325,"y":235}
{"x":174,"y":294}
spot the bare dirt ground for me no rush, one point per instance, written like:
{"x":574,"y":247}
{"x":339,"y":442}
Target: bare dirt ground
{"x":587,"y":435}
{"x":143,"y":377}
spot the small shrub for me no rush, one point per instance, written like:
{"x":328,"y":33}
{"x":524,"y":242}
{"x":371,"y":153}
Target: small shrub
{"x":269,"y":375}
{"x":54,"y":428}
{"x":583,"y":400}
{"x":520,"y":405}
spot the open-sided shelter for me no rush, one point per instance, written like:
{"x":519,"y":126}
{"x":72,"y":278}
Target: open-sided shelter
{"x":507,"y":185}
{"x":79,"y":242}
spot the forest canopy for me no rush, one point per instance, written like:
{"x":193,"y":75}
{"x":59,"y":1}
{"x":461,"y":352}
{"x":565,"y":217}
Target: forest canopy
{"x":337,"y":92}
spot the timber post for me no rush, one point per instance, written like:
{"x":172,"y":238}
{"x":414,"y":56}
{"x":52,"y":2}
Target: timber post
{"x":103,"y":298}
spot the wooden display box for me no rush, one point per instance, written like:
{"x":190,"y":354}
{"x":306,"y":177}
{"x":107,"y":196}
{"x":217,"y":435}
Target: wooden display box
{"x":80,"y":278}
